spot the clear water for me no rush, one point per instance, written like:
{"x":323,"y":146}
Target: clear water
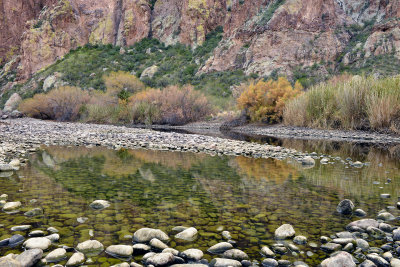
{"x":248,"y":197}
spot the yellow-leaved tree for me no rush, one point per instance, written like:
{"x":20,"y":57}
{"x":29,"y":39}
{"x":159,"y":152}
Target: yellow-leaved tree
{"x":265,"y":100}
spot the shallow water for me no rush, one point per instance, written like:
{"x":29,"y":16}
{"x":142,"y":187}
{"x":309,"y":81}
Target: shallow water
{"x":159,"y":189}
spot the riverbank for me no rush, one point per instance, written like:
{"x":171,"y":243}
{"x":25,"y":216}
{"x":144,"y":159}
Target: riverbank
{"x":21,"y":136}
{"x":291,"y":132}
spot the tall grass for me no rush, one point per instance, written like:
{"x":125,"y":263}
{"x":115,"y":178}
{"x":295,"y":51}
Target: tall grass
{"x":359,"y":102}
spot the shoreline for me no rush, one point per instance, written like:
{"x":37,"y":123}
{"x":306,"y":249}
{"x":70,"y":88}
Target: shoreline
{"x":18,"y":137}
{"x":280,"y":131}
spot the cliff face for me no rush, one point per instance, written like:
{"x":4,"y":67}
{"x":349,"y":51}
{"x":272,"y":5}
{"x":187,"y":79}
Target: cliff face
{"x":260,"y":36}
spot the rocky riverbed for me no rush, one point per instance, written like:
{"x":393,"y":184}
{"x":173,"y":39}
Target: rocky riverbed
{"x":21,"y":136}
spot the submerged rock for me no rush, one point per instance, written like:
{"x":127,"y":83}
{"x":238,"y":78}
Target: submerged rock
{"x":120,"y":250}
{"x":90,"y":247}
{"x":267,"y":252}
{"x":56,"y":255}
{"x":269,"y":263}
{"x":188,"y":234}
{"x":76,"y":259}
{"x":284,"y":231}
{"x":99,"y":204}
{"x":219,"y":262}
{"x":144,"y":235}
{"x":220,"y":248}
{"x":10,"y":206}
{"x":37,"y":242}
{"x":158,"y":244}
{"x":345,"y":207}
{"x":34,"y":212}
{"x":363,"y":224}
{"x":235,"y":254}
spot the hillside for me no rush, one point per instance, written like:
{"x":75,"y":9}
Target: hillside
{"x":212,"y":43}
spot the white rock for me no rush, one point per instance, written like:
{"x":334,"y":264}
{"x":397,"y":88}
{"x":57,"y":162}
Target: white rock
{"x":56,"y":255}
{"x":37,"y":242}
{"x":76,"y":259}
{"x":9,"y":206}
{"x":284,"y":231}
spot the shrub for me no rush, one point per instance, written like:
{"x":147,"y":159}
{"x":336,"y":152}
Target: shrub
{"x":172,"y":105}
{"x":62,"y":104}
{"x":358,"y":103}
{"x":122,"y":84}
{"x":265,"y":101}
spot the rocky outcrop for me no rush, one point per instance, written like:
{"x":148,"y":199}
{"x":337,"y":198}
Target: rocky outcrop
{"x":260,"y":36}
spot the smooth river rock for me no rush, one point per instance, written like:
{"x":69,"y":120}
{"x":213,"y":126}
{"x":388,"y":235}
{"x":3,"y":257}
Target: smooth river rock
{"x":193,"y":254}
{"x":144,"y":235}
{"x":220,"y":262}
{"x":90,"y":247}
{"x":37,"y":242}
{"x":345,"y":207}
{"x":76,"y":259}
{"x":220,"y":248}
{"x":29,"y":257}
{"x":188,"y":234}
{"x":160,"y":259}
{"x":363,"y":224}
{"x":235,"y":254}
{"x":99,"y":204}
{"x":120,"y":250}
{"x":284,"y":231}
{"x":10,"y":206}
{"x":341,"y":259}
{"x":56,"y":255}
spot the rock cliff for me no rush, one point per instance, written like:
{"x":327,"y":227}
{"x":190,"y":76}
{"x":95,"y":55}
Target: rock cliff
{"x":260,"y":36}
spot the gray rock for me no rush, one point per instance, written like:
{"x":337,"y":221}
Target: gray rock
{"x":9,"y":262}
{"x":52,"y":230}
{"x":344,"y":241}
{"x":37,"y":242}
{"x":284,"y":231}
{"x":341,"y":259}
{"x":134,"y":264}
{"x":300,"y":240}
{"x":226,"y":235}
{"x":141,"y":248}
{"x":367,"y":263}
{"x":124,"y":264}
{"x":10,"y":206}
{"x":269,"y":263}
{"x":76,"y":259}
{"x":360,"y":213}
{"x":193,"y":254}
{"x":378,"y":260}
{"x":376,"y":232}
{"x":363,"y":224}
{"x":385,"y":227}
{"x":99,"y":204}
{"x":219,"y":262}
{"x":160,"y":259}
{"x":56,"y":255}
{"x":395,"y":262}
{"x":179,"y":228}
{"x":158,"y":244}
{"x":345,"y":207}
{"x":171,"y":250}
{"x":119,"y":250}
{"x":34,"y":212}
{"x":90,"y":247}
{"x":21,"y":228}
{"x":149,"y":72}
{"x":396,"y":235}
{"x":53,"y":237}
{"x":361,"y":243}
{"x":36,"y":233}
{"x":235,"y":254}
{"x":188,"y":234}
{"x":220,"y":248}
{"x":6,"y":167}
{"x":267,"y":252}
{"x":12,"y":103}
{"x":144,"y":235}
{"x":15,"y":240}
{"x":307,"y":161}
{"x":331,"y":247}
{"x":386,"y":216}
{"x":29,"y":257}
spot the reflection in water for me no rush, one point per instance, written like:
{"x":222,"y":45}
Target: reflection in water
{"x":249,"y":197}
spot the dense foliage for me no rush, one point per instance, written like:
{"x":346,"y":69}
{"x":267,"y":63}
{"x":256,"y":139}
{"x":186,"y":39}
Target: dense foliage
{"x":355,"y":102}
{"x":265,"y":100}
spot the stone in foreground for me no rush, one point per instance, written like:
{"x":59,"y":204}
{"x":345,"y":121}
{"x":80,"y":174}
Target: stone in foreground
{"x":160,"y":259}
{"x":37,"y":242}
{"x":29,"y":257}
{"x":56,"y":255}
{"x":10,"y":206}
{"x":144,"y":235}
{"x":90,"y":247}
{"x":345,"y":207}
{"x":341,"y":259}
{"x":76,"y":259}
{"x":120,"y":250}
{"x":284,"y":231}
{"x":220,"y":248}
{"x":188,"y":234}
{"x":219,"y":262}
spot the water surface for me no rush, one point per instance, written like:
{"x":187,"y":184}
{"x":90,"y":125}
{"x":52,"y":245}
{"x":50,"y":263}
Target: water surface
{"x":248,"y":197}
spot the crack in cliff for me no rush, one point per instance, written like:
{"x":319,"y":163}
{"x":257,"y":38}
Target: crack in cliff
{"x":117,"y":34}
